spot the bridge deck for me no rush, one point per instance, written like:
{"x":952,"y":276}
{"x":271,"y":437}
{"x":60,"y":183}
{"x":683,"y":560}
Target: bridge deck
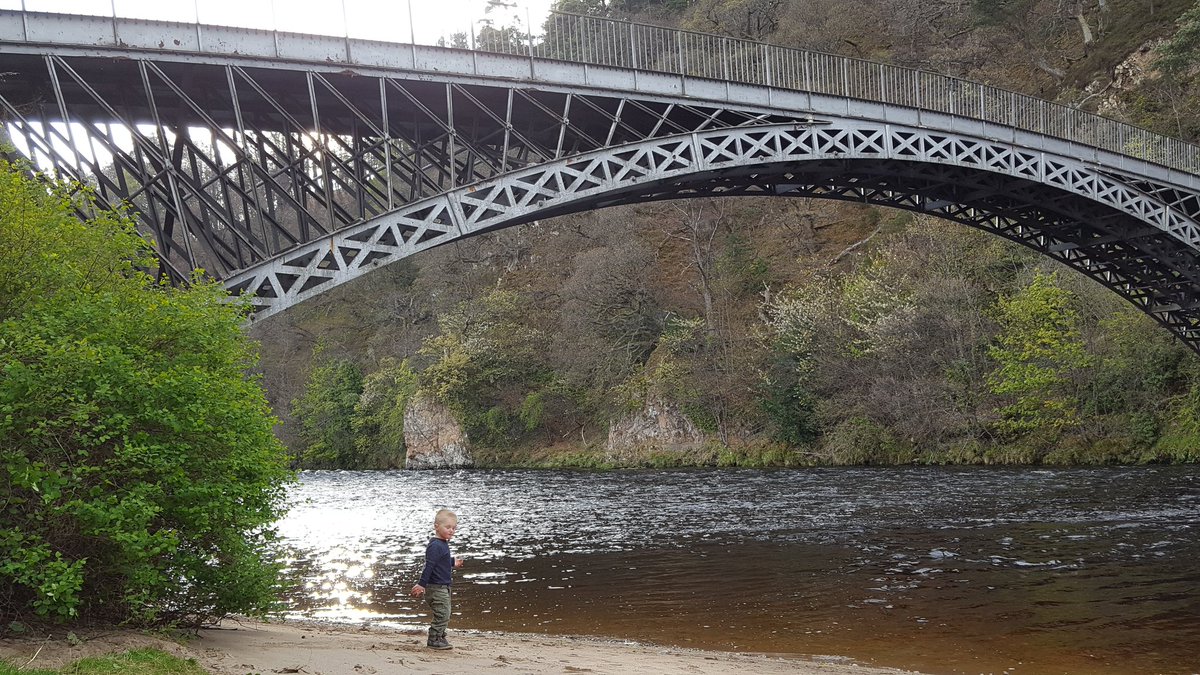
{"x":763,"y":78}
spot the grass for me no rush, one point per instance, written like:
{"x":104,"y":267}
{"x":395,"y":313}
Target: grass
{"x":133,"y":662}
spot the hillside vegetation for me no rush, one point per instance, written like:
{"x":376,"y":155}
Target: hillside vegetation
{"x":787,"y":331}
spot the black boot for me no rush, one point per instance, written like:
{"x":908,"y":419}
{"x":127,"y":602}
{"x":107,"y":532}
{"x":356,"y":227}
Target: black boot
{"x":437,"y":641}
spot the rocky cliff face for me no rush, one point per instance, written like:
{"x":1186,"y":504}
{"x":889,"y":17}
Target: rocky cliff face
{"x":433,"y":438}
{"x":1127,"y":76}
{"x":659,"y":426}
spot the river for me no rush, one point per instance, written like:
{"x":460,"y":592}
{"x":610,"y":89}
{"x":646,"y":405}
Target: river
{"x":946,"y":570}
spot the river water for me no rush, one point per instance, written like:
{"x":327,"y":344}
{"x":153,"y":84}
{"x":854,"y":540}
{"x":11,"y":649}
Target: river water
{"x":946,"y":570}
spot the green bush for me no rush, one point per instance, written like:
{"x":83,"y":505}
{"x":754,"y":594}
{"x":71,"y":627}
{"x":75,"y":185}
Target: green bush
{"x":533,"y":410}
{"x":1181,"y":440}
{"x":790,"y":408}
{"x":859,"y":440}
{"x":139,"y":475}
{"x":326,"y":412}
{"x":378,"y":421}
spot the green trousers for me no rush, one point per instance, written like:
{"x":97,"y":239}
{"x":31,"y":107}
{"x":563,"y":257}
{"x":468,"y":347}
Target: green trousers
{"x":437,"y":597}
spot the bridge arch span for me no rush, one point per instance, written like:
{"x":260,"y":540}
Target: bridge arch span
{"x":1137,"y":239}
{"x":287,"y":164}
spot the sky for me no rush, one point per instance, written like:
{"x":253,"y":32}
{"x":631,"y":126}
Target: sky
{"x":370,"y":19}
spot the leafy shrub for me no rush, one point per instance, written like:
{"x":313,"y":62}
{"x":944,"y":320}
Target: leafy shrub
{"x":859,"y":440}
{"x":139,"y":475}
{"x":379,"y":415}
{"x":1037,"y":350}
{"x":533,"y":409}
{"x":326,"y":412}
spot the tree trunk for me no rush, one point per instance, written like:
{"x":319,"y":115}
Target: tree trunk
{"x":1088,"y":38}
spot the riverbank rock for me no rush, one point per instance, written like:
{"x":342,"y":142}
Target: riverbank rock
{"x":433,"y":438}
{"x":658,"y":427}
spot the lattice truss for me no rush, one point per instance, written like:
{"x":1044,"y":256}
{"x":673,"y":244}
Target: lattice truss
{"x":286,"y":183}
{"x":1124,"y":235}
{"x":229,"y":166}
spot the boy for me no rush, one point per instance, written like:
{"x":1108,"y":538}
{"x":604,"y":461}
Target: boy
{"x":435,"y":577}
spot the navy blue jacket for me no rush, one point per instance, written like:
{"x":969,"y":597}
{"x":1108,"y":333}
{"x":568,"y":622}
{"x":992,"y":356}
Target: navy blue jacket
{"x":438,"y":563}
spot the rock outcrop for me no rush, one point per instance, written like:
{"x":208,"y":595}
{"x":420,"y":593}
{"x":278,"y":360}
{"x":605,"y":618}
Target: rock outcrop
{"x":433,"y":438}
{"x":658,"y":426}
{"x":1126,"y":76}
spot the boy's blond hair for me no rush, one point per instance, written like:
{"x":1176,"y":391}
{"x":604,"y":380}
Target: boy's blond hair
{"x":444,"y":515}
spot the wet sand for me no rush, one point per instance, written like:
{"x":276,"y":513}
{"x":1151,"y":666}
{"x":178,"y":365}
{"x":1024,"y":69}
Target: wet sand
{"x":237,"y":648}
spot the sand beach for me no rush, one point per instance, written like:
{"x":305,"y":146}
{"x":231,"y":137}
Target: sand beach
{"x":243,"y":647}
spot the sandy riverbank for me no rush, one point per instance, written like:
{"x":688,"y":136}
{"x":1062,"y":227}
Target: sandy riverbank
{"x":314,"y":649}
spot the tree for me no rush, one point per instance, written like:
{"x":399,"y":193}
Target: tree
{"x":1169,"y":102}
{"x":622,"y":7}
{"x":1038,"y":348}
{"x":378,"y":421}
{"x":609,"y":323}
{"x":326,"y":412}
{"x":1180,"y":53}
{"x":700,"y":221}
{"x":792,"y":329}
{"x":484,"y":351}
{"x":746,"y":19}
{"x":139,"y":476}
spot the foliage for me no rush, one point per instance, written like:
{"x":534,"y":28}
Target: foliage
{"x":609,"y":309}
{"x":792,"y":326}
{"x":1182,"y":51}
{"x":747,"y":19}
{"x":1180,"y":441}
{"x":673,"y":375}
{"x":326,"y":412}
{"x":742,"y":269}
{"x":483,"y":351}
{"x":896,"y":342}
{"x":896,"y":360}
{"x":859,"y":440}
{"x":1137,"y":366}
{"x":378,"y":421}
{"x":878,"y":307}
{"x":617,"y":7}
{"x":505,"y":39}
{"x":790,"y":405}
{"x":1038,"y":349}
{"x":138,"y":469}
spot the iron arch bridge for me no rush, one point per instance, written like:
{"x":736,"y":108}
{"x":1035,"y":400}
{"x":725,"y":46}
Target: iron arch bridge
{"x":287,"y":164}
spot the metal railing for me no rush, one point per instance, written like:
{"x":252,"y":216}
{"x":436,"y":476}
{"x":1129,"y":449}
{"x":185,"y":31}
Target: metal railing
{"x":623,"y":44}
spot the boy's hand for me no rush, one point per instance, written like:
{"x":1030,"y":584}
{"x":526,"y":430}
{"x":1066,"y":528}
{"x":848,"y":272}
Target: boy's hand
{"x":418,"y":590}
{"x":458,"y":562}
